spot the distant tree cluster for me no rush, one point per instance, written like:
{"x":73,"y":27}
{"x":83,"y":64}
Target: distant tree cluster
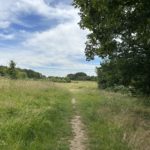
{"x":120,"y":35}
{"x":59,"y":79}
{"x":81,"y":76}
{"x":17,"y":73}
{"x":12,"y":70}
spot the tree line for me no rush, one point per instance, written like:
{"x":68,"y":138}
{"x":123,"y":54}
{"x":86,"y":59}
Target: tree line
{"x":81,"y":76}
{"x":120,"y":36}
{"x":17,"y":73}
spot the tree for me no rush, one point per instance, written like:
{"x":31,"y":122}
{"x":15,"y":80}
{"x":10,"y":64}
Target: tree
{"x":32,"y":74}
{"x":71,"y":76}
{"x":119,"y":32}
{"x":81,"y":76}
{"x":3,"y":71}
{"x":78,"y":76}
{"x":12,"y":70}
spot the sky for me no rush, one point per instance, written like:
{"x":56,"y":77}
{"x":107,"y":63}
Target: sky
{"x":43,"y":35}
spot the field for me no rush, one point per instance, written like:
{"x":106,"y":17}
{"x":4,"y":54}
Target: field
{"x":35,"y":115}
{"x":114,"y":121}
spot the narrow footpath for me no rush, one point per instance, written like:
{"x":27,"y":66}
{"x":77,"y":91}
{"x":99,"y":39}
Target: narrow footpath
{"x":79,"y":139}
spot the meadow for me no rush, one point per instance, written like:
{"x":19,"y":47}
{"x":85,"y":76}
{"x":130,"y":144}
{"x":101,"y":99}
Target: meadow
{"x":113,"y":121}
{"x":35,"y":115}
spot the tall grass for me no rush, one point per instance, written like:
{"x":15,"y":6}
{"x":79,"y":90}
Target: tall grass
{"x":114,"y":121}
{"x":34,"y":115}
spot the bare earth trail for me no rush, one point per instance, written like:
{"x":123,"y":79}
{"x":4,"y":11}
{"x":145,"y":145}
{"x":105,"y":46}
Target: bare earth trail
{"x":79,"y":139}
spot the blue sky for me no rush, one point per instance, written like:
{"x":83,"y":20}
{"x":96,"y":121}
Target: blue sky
{"x":43,"y":35}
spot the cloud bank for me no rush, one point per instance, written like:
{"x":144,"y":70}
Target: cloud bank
{"x":44,"y":36}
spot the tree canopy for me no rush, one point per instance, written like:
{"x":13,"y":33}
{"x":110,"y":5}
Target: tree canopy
{"x":12,"y":70}
{"x":120,"y":35}
{"x":81,"y":76}
{"x":18,"y":73}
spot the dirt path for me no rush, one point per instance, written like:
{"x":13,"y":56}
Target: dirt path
{"x":78,"y":142}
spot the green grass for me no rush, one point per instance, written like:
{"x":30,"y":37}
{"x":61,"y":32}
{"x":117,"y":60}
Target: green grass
{"x":114,"y":121}
{"x":34,"y":115}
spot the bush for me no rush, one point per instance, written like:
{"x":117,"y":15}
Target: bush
{"x":121,"y":89}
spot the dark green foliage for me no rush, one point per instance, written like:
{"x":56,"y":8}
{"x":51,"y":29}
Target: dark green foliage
{"x":17,"y":73}
{"x":81,"y":76}
{"x":59,"y":79}
{"x":78,"y":76}
{"x":71,"y":76}
{"x":12,"y":70}
{"x":32,"y":74}
{"x":108,"y":75}
{"x":3,"y":71}
{"x":120,"y":33}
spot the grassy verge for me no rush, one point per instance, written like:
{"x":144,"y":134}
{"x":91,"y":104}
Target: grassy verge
{"x":34,"y":115}
{"x":114,"y":121}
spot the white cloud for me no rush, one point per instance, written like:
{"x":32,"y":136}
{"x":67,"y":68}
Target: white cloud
{"x":10,"y":11}
{"x":60,"y":47}
{"x":65,"y":38}
{"x":4,"y":24}
{"x":6,"y":36}
{"x":46,"y":63}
